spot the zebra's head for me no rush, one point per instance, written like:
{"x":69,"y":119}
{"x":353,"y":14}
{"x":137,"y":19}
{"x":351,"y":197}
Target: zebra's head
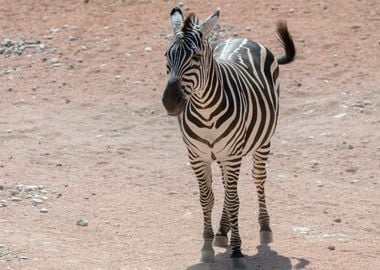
{"x":188,"y":59}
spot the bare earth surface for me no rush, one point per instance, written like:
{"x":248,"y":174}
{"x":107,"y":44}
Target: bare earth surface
{"x":83,"y":127}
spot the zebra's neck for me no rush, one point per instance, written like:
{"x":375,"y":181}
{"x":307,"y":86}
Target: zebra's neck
{"x":210,"y":96}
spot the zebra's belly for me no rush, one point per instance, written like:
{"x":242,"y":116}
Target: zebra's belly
{"x":213,"y":144}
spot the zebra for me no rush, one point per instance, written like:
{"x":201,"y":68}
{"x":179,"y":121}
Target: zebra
{"x":225,"y":97}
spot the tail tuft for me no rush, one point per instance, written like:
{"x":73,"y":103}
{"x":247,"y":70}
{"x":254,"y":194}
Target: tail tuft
{"x":287,"y":43}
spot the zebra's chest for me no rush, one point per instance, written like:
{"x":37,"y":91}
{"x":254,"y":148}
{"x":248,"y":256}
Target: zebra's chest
{"x":208,"y":140}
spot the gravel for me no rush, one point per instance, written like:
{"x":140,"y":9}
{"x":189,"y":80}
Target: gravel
{"x":10,"y":46}
{"x":82,"y":222}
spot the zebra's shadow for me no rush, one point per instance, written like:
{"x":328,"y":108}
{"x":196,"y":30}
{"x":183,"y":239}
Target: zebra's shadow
{"x":265,"y":259}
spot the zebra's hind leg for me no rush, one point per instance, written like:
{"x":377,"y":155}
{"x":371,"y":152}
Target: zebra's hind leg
{"x":260,"y":158}
{"x":221,"y":238}
{"x":202,"y":171}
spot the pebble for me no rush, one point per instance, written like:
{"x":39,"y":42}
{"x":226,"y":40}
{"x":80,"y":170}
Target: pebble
{"x":16,"y":199}
{"x":23,"y":257}
{"x":44,"y":210}
{"x":54,"y":61}
{"x":82,"y":222}
{"x":354,"y":181}
{"x":350,"y":147}
{"x":291,"y":10}
{"x":30,"y":188}
{"x":337,"y":220}
{"x":301,"y":230}
{"x":351,"y":170}
{"x":319,"y":184}
{"x":1,"y":187}
{"x":339,"y":115}
{"x":173,"y":192}
{"x":3,"y":203}
{"x":331,"y":247}
{"x":195,"y":192}
{"x":148,"y":49}
{"x":73,"y":38}
{"x":19,"y":187}
{"x":36,"y":201}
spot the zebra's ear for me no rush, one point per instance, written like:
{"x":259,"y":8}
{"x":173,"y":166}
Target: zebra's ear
{"x":207,"y":26}
{"x":176,"y":19}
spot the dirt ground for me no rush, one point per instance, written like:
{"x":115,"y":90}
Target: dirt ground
{"x":81,"y":119}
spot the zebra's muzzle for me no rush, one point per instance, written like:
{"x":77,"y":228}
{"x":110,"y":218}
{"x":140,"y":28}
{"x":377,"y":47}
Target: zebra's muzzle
{"x":173,"y":99}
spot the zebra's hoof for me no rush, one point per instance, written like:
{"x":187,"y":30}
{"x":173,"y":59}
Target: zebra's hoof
{"x":238,"y":263}
{"x":208,"y":256}
{"x":207,"y":253}
{"x":266,"y":237}
{"x":220,"y":241}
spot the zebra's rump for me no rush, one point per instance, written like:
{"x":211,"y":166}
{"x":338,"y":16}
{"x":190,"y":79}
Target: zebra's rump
{"x":245,"y":118}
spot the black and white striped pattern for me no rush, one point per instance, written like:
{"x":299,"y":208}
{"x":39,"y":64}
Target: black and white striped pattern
{"x":226,"y":98}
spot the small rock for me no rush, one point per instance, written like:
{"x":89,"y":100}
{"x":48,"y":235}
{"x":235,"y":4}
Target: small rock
{"x":16,"y":199}
{"x":291,"y":10}
{"x":173,"y":192}
{"x":117,"y":77}
{"x":148,"y":49}
{"x":3,"y":203}
{"x":54,"y":61}
{"x":337,"y":220}
{"x":350,"y":147}
{"x":82,"y":222}
{"x":354,"y":181}
{"x":339,"y":115}
{"x":319,"y":184}
{"x":23,"y":257}
{"x":1,"y":187}
{"x":247,"y":28}
{"x":351,"y":170}
{"x":331,"y":247}
{"x":44,"y":210}
{"x":19,"y":187}
{"x":355,"y":26}
{"x":73,"y":38}
{"x":54,"y":30}
{"x":30,"y":188}
{"x":367,"y":102}
{"x":301,"y":230}
{"x":36,"y":201}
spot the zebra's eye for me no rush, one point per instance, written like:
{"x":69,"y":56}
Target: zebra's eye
{"x":197,"y":57}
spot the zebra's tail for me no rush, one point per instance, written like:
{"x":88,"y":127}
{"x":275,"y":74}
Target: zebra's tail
{"x":287,"y":43}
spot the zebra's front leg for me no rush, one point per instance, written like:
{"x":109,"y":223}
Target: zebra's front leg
{"x":221,"y":238}
{"x":260,"y":158}
{"x":202,"y":171}
{"x":231,"y":170}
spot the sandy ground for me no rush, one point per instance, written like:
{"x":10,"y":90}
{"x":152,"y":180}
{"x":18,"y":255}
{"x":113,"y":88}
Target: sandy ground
{"x":82,"y":119}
